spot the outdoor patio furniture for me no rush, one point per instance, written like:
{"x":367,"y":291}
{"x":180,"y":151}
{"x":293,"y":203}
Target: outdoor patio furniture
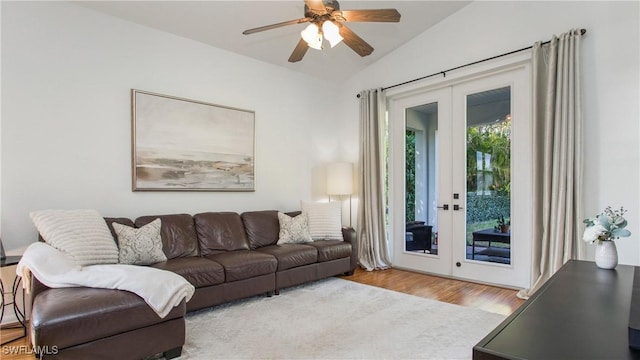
{"x":491,"y":235}
{"x":418,"y":236}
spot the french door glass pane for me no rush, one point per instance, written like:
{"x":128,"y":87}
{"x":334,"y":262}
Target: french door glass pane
{"x":421,"y":215}
{"x":488,"y":170}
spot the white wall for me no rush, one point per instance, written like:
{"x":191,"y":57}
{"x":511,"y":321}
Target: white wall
{"x":66,"y":141}
{"x":610,"y":72}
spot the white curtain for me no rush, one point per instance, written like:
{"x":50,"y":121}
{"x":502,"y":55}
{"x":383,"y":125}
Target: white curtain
{"x":373,"y":252}
{"x":557,"y":173}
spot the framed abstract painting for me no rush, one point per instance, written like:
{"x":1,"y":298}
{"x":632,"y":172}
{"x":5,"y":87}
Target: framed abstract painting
{"x":187,"y":145}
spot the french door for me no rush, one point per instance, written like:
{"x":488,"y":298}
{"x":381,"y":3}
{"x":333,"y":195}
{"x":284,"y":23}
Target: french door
{"x":459,"y":178}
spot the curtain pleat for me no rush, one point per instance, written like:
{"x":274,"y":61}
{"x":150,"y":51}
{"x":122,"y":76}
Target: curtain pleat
{"x":558,"y":162}
{"x":373,"y":252}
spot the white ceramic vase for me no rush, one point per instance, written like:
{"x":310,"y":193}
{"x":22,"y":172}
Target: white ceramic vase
{"x":606,"y":255}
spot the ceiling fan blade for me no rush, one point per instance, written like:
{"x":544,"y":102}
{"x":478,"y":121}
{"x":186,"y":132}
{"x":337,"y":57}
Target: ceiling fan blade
{"x":354,"y":41}
{"x":380,"y":15}
{"x":299,"y":51}
{"x":317,"y":6}
{"x":273,"y":26}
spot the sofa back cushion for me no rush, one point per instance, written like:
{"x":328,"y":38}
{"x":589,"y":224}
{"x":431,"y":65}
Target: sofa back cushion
{"x":178,"y":234}
{"x":262,"y":227}
{"x":219,"y":232}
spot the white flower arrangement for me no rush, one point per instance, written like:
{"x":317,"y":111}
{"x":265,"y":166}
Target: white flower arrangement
{"x":607,"y":226}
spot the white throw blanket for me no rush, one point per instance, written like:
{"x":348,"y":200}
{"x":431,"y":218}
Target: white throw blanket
{"x":162,"y":290}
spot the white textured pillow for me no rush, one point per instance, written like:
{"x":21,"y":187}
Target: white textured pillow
{"x":83,"y":234}
{"x":142,"y":246}
{"x":293,"y":229}
{"x":325,"y":220}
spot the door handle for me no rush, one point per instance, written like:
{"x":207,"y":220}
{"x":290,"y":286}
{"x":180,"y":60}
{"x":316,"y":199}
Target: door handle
{"x":457,"y":207}
{"x":444,"y":207}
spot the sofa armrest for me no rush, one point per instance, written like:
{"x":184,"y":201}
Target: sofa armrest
{"x":350,"y":236}
{"x":36,"y":287}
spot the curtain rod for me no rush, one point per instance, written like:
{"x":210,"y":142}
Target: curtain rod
{"x":444,"y":72}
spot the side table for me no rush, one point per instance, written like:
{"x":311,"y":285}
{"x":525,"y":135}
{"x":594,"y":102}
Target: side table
{"x":491,"y":236}
{"x":19,"y":312}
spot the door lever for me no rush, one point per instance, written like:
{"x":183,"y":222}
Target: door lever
{"x":457,"y":207}
{"x":444,"y":207}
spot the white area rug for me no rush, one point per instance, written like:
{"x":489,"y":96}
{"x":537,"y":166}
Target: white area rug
{"x":336,"y":319}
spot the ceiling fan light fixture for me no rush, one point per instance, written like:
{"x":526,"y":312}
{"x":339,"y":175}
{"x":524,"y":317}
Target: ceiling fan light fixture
{"x":312,"y":35}
{"x":331,"y":33}
{"x":326,"y":22}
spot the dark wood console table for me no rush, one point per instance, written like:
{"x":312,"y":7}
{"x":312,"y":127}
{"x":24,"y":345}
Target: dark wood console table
{"x":582,"y":312}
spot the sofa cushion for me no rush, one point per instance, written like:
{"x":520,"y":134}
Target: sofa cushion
{"x":71,"y":316}
{"x":262,"y":227}
{"x":141,"y":246}
{"x":331,"y":249}
{"x":293,"y":229}
{"x":244,"y":264}
{"x":200,"y":272}
{"x":220,"y":231}
{"x":325,"y":220}
{"x":82,"y":234}
{"x":178,"y":234}
{"x":292,"y":255}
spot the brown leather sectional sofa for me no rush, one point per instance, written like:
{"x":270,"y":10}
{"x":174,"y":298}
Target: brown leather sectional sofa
{"x":225,"y":255}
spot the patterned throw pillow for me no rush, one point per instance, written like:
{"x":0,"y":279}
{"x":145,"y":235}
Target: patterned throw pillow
{"x":83,"y":234}
{"x":293,"y":229}
{"x":142,"y":246}
{"x":325,"y":220}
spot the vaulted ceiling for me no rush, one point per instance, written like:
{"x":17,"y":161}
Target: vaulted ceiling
{"x":220,"y":24}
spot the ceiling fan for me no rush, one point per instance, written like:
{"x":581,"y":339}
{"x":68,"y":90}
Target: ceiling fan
{"x":326,"y":20}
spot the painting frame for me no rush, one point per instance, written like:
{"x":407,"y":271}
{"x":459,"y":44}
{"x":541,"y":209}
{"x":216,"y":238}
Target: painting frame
{"x":179,"y":144}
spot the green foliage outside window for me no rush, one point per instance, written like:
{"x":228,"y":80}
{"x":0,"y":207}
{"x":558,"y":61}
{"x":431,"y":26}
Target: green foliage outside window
{"x":493,"y":139}
{"x":410,"y":176}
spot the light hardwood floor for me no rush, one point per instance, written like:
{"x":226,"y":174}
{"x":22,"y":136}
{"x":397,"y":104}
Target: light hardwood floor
{"x":485,"y":297}
{"x":14,"y":350}
{"x":489,"y":298}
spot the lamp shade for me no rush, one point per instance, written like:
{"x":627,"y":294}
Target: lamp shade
{"x":331,"y":33}
{"x":340,"y":178}
{"x":312,"y":35}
